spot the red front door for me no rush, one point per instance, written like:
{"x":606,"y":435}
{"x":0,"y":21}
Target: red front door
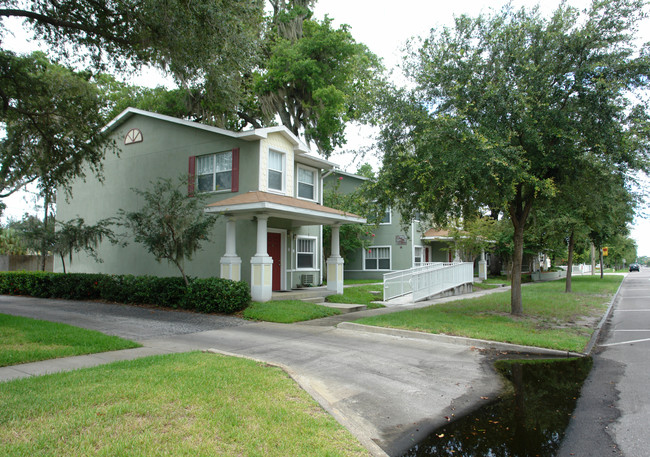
{"x":274,"y":247}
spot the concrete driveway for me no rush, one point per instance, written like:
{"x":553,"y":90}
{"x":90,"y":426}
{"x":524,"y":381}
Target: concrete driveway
{"x":389,"y":391}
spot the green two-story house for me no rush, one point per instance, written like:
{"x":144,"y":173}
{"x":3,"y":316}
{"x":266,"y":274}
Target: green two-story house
{"x":394,"y":245}
{"x":264,"y":183}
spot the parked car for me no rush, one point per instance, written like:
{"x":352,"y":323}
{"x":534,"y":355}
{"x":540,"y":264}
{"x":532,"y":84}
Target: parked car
{"x":634,"y":267}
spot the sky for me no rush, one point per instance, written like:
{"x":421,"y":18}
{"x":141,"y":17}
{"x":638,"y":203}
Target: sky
{"x":384,"y":26}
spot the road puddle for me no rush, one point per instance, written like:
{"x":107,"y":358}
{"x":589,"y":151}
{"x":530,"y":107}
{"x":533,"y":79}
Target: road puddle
{"x":528,"y":419}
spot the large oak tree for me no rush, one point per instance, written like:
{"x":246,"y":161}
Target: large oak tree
{"x":53,"y":115}
{"x":508,"y":105}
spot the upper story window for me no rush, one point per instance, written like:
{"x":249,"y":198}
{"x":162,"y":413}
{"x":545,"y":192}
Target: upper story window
{"x":276,"y":171}
{"x":214,"y":172}
{"x":306,"y":183}
{"x":385,"y":220}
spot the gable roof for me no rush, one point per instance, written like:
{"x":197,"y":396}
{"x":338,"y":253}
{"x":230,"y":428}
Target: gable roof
{"x":247,"y":135}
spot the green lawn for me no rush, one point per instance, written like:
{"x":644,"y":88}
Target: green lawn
{"x":361,"y":295}
{"x":25,"y":340}
{"x":287,"y":311}
{"x":193,"y":404}
{"x":552,"y":319}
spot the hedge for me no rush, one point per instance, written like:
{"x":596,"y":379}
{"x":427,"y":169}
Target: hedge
{"x":209,"y":295}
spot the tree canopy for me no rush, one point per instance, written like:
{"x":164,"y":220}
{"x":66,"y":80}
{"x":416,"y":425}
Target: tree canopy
{"x":308,"y":75}
{"x":43,"y":104}
{"x":180,"y":37}
{"x":53,"y":115}
{"x":508,"y":105}
{"x":317,"y":80}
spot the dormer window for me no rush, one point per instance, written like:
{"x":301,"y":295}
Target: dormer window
{"x":306,"y":183}
{"x":276,"y":171}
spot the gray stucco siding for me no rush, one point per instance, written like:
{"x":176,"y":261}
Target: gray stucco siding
{"x":164,"y":153}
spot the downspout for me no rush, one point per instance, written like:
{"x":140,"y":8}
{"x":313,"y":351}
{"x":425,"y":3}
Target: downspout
{"x":322,"y":252}
{"x":412,"y":243}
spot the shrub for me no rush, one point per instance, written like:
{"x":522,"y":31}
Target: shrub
{"x":216,"y":295}
{"x":205,"y":295}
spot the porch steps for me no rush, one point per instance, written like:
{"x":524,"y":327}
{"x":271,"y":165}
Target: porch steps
{"x":313,"y":293}
{"x":344,"y":307}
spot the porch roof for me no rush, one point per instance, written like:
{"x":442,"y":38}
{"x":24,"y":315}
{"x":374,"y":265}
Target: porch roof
{"x":300,"y":212}
{"x":445,"y":235}
{"x":437,"y":235}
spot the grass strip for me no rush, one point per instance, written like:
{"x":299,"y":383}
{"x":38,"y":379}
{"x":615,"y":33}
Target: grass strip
{"x":287,"y":311}
{"x":25,"y":340}
{"x":191,"y":404}
{"x":360,"y":295}
{"x":552,"y":319}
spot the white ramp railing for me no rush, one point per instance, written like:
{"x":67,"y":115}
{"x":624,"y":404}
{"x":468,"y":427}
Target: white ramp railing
{"x":427,"y":280}
{"x":426,"y":284}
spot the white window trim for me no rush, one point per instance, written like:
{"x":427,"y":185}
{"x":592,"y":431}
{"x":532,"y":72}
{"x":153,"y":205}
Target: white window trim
{"x":284,"y":172}
{"x":196,"y":180}
{"x":422,"y":254}
{"x":316,"y":178}
{"x":389,"y":210}
{"x":314,"y":254}
{"x":390,"y":258}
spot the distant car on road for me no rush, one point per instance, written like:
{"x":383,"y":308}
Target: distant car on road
{"x":634,"y":267}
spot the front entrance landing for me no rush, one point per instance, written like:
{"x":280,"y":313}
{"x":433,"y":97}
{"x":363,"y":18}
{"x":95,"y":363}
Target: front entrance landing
{"x":311,"y":294}
{"x":316,"y":295}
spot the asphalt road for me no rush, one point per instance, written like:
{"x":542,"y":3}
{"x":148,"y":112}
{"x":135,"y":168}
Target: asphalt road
{"x":613,"y":412}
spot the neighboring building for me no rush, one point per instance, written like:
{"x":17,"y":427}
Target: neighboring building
{"x":263,"y":181}
{"x":394,"y":246}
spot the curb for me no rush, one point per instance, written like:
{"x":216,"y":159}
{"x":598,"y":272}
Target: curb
{"x":596,"y":335}
{"x":458,"y":340}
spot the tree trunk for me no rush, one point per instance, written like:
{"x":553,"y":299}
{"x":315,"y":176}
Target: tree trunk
{"x":519,"y":210}
{"x":569,"y":268}
{"x":62,"y":262}
{"x":602,"y":266}
{"x":46,"y":205}
{"x":180,"y":267}
{"x":516,"y":304}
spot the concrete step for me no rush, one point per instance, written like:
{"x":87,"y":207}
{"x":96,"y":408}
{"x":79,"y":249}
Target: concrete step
{"x":344,"y":307}
{"x":302,"y":294}
{"x":317,"y":300}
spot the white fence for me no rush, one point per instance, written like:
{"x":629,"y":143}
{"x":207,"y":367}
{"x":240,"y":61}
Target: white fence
{"x":427,"y":280}
{"x":581,"y":269}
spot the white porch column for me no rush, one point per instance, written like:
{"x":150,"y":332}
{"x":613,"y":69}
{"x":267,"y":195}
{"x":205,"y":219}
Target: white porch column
{"x":231,"y":262}
{"x":261,"y":265}
{"x":482,"y":267}
{"x":335,"y":264}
